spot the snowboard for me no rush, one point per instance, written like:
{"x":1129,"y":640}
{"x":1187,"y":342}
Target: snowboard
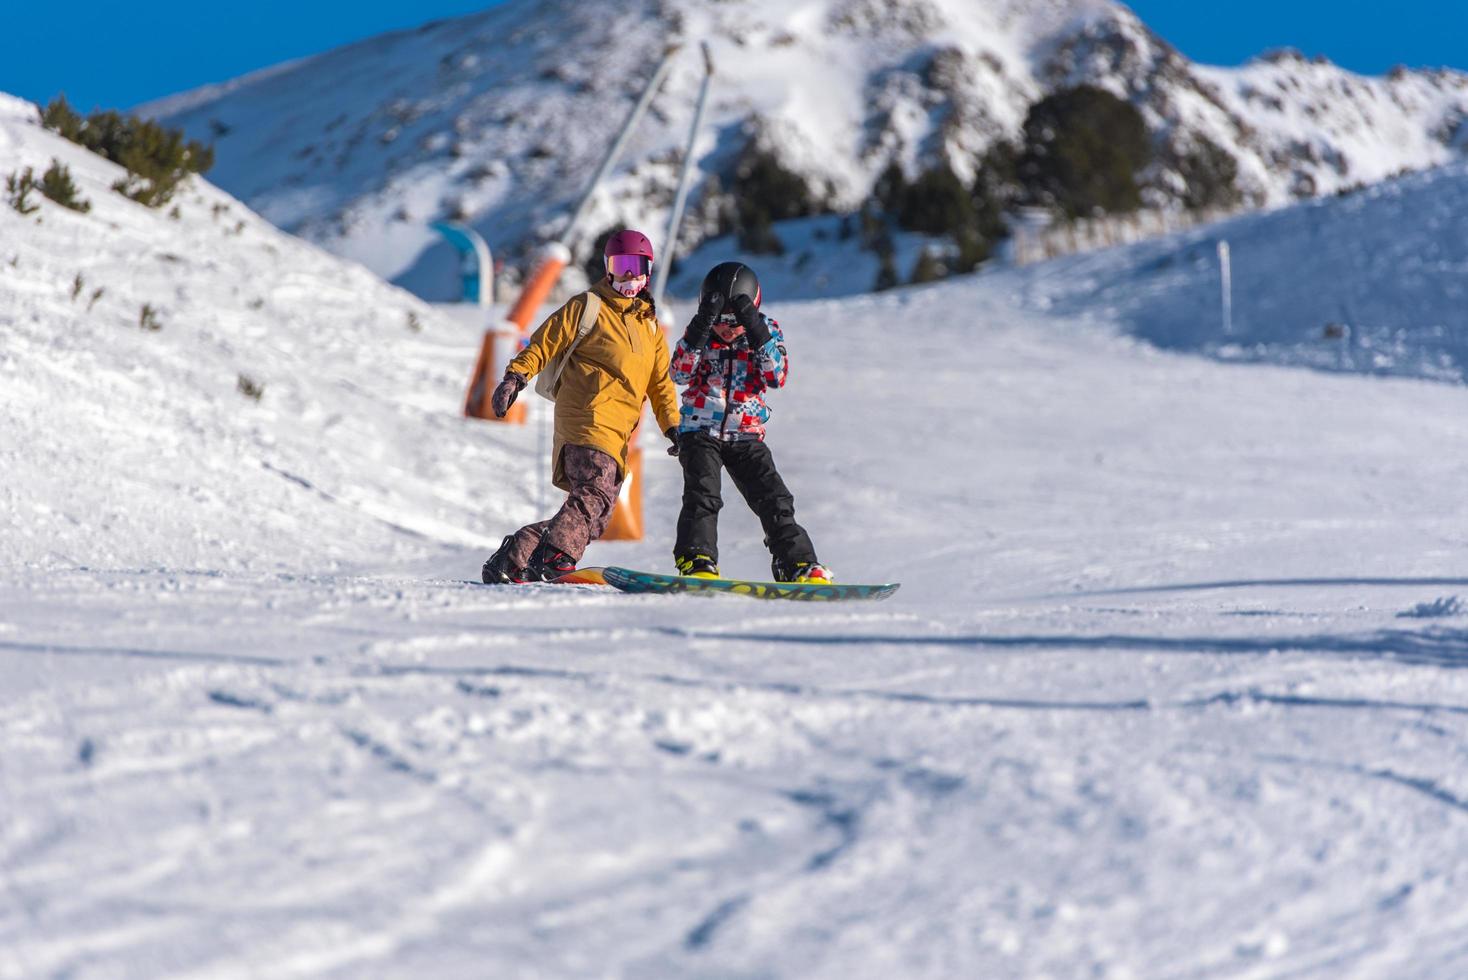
{"x":629,"y":580}
{"x":581,"y":576}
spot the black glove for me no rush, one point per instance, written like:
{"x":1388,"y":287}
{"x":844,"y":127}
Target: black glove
{"x":672,"y":433}
{"x":752,"y":320}
{"x":696,"y":337}
{"x":506,"y":392}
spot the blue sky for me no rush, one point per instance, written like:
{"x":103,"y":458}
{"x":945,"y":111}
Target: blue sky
{"x":117,"y":54}
{"x":1367,"y":36}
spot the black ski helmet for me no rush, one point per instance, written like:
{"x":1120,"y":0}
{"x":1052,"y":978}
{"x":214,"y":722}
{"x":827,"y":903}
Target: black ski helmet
{"x":730,"y":279}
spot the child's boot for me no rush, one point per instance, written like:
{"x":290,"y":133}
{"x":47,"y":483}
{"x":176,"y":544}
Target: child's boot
{"x":803,"y":572}
{"x":697,"y":566}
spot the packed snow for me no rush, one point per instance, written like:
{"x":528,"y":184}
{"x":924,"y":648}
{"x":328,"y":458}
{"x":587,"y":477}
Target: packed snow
{"x":1172,"y":686}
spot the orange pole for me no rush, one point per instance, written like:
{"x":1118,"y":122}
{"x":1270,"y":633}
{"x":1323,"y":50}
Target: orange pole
{"x":476,"y":399}
{"x":547,"y":272}
{"x":626,"y":522}
{"x":500,"y":342}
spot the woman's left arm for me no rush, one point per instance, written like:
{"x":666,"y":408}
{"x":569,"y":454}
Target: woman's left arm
{"x":660,"y":389}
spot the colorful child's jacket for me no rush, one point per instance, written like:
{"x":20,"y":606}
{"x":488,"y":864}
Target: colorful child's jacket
{"x":726,"y":384}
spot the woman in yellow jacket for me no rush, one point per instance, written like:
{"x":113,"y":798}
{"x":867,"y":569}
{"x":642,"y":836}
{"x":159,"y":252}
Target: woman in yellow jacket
{"x":620,"y":363}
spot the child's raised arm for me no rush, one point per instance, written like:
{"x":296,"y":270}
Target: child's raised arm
{"x":762,"y":332}
{"x":695,"y":338}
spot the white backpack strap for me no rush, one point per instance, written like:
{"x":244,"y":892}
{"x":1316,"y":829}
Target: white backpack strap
{"x":589,"y":313}
{"x":588,"y":317}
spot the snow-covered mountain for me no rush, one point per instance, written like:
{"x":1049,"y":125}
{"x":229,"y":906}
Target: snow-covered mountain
{"x":500,"y":117}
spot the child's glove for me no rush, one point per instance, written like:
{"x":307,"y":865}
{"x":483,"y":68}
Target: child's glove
{"x":752,"y":321}
{"x":672,"y":433}
{"x":696,"y":337}
{"x":505,"y":393}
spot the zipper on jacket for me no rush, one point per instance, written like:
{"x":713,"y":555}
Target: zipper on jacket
{"x":631,"y":320}
{"x":728,"y":400}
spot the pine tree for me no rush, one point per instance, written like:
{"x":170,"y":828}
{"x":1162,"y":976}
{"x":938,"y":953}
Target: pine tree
{"x":886,"y":273}
{"x":937,"y":203}
{"x":758,"y":235}
{"x":1083,"y":148}
{"x":18,"y":187}
{"x":56,"y":184}
{"x":973,"y":248}
{"x":1210,"y":176}
{"x":763,"y":192}
{"x":762,"y":184}
{"x":157,"y":159}
{"x":59,"y":117}
{"x":929,"y":268}
{"x":890,"y":189}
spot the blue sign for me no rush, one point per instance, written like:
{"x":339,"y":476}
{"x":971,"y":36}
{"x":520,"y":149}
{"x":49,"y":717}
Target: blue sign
{"x":475,"y":267}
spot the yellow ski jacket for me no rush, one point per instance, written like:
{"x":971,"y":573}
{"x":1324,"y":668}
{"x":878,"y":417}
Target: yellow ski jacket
{"x":619,"y":364}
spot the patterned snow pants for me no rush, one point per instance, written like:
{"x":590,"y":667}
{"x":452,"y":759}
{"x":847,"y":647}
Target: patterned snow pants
{"x":584,"y":516}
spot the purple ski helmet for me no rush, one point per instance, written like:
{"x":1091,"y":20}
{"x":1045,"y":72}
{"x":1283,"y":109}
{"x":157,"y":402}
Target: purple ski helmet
{"x":628,"y":253}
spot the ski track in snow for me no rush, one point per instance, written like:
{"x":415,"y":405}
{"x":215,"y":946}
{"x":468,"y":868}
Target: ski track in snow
{"x":1172,"y":686}
{"x":390,"y":775}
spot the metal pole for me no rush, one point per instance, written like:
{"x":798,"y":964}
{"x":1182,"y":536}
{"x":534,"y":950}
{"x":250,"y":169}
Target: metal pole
{"x":665,"y":261}
{"x":1225,"y":264}
{"x":616,"y":148}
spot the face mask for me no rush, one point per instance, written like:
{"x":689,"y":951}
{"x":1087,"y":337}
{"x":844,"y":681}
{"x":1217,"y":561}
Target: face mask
{"x":630,"y":287}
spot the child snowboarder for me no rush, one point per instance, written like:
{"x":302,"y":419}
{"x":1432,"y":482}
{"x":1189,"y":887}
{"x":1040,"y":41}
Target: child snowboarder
{"x":729,"y":356}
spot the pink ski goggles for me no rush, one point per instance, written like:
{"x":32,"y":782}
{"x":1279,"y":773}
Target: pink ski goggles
{"x":628,"y":266}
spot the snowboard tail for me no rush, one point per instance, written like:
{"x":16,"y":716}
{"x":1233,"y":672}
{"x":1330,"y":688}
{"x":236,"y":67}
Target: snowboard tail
{"x":582,"y":576}
{"x":630,"y":580}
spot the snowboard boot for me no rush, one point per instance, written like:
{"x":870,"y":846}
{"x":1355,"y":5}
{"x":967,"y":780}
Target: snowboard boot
{"x":548,"y":563}
{"x":697,"y":566}
{"x":498,"y":570}
{"x":803,"y":572}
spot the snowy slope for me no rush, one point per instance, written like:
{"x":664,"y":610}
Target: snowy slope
{"x":1173,"y":686}
{"x":1375,"y":281}
{"x":501,"y":117}
{"x":129,"y":447}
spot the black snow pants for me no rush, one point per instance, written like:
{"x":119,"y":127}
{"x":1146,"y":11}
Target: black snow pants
{"x":752,"y":468}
